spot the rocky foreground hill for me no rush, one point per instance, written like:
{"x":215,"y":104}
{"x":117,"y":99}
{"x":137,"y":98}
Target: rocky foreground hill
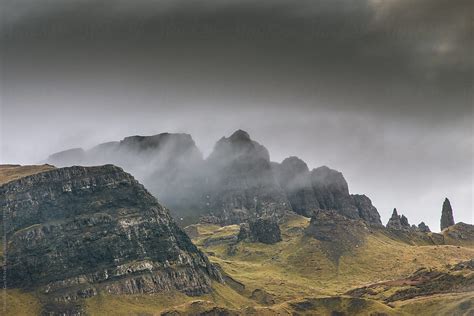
{"x":93,"y":241}
{"x":235,"y":184}
{"x":71,"y":233}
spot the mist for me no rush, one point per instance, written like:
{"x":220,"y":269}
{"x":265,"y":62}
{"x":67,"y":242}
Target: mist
{"x":381,"y":91}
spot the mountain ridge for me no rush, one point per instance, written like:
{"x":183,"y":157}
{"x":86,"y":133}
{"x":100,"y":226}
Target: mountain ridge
{"x":233,"y":184}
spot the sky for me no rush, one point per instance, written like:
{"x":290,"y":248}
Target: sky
{"x":380,"y":90}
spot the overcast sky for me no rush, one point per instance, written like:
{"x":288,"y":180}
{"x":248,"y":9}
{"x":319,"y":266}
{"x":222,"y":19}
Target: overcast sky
{"x":379,"y":89}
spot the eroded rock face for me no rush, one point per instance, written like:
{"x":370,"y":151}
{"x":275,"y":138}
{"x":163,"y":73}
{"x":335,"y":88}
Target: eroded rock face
{"x":332,"y":193}
{"x":241,"y":184}
{"x":366,"y":210}
{"x":237,"y":183}
{"x":422,"y":227}
{"x":264,"y":230}
{"x":168,"y":164}
{"x":447,"y":218}
{"x":72,"y":231}
{"x":398,"y":222}
{"x":294,"y":177}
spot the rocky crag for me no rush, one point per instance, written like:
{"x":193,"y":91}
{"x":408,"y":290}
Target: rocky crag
{"x":447,"y":218}
{"x":264,"y":230}
{"x":338,"y":234}
{"x":236,"y":183}
{"x":240,"y":182}
{"x":73,"y":232}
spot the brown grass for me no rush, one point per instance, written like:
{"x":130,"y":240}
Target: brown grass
{"x":13,"y":172}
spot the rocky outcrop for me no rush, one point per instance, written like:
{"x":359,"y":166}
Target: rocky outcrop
{"x":338,"y":234}
{"x":460,"y":233}
{"x":237,"y":183}
{"x":422,"y":227}
{"x":447,"y":218}
{"x":332,"y":191}
{"x":398,"y":222}
{"x":74,"y":231}
{"x":323,"y":188}
{"x":169,"y":165}
{"x":366,"y":210}
{"x":241,"y":184}
{"x":264,"y":230}
{"x":294,"y":177}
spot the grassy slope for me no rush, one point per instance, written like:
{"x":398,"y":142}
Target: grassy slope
{"x":16,"y":302}
{"x":13,"y":172}
{"x":296,"y":272}
{"x":298,"y":266}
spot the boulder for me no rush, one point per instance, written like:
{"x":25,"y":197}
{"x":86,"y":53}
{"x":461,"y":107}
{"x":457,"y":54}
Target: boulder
{"x":264,"y":230}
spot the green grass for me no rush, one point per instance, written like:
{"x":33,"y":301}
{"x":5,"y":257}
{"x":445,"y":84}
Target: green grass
{"x":446,"y":304}
{"x":17,"y":302}
{"x":13,"y":172}
{"x":298,"y":266}
{"x":297,"y":273}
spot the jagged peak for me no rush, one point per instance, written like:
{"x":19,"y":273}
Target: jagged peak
{"x":447,"y":218}
{"x":394,"y":213}
{"x":239,"y":143}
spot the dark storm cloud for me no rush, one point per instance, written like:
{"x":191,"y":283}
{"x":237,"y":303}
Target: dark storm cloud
{"x":380,"y":89}
{"x":408,"y":55}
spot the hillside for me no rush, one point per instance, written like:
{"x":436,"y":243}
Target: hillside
{"x":73,"y":233}
{"x":109,"y":258}
{"x":12,"y":172}
{"x":297,"y":275}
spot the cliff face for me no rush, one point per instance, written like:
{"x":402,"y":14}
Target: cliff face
{"x":73,"y":231}
{"x":167,"y":164}
{"x":294,"y":177}
{"x":240,"y":182}
{"x":447,"y":218}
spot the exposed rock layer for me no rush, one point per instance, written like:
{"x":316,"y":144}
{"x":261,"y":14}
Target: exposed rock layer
{"x":78,"y":229}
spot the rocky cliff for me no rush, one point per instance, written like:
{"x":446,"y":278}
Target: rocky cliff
{"x":167,"y":164}
{"x":447,"y":218}
{"x":398,"y":222}
{"x":240,"y":182}
{"x":235,"y":184}
{"x":294,"y":177}
{"x":322,"y":189}
{"x":74,"y":231}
